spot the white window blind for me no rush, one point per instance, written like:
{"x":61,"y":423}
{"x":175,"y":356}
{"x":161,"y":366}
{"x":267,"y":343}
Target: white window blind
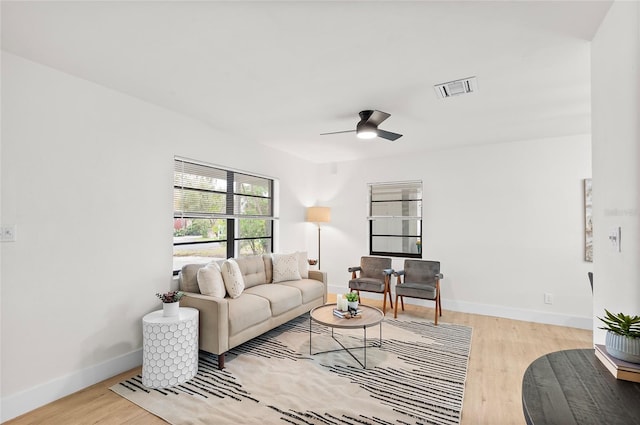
{"x":395,"y":219}
{"x":219,"y":213}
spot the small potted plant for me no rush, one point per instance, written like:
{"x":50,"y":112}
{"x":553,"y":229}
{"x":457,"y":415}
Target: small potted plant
{"x":352,"y":300}
{"x":170,"y":302}
{"x":623,"y":336}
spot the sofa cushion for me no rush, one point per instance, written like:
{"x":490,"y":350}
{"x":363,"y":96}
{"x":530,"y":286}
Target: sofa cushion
{"x":285,"y":267}
{"x":247,"y":310}
{"x":210,"y":281}
{"x":189,"y":277}
{"x":232,"y":277}
{"x":281,"y":298}
{"x":253,"y":270}
{"x":311,"y":289}
{"x":268,"y":267}
{"x":303,"y":264}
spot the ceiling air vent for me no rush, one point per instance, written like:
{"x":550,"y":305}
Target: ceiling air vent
{"x":457,"y":87}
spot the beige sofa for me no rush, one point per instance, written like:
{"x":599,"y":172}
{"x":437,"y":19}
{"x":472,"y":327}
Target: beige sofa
{"x":262,"y":305}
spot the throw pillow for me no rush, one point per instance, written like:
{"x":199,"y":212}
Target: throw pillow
{"x":285,"y":267}
{"x":232,"y":277}
{"x":210,"y":281}
{"x":303,"y":265}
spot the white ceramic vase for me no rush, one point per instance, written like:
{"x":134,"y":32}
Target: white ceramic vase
{"x":353,"y":305}
{"x":170,"y":309}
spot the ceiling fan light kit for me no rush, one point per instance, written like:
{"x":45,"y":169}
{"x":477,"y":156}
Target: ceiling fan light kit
{"x":367,"y":134}
{"x":367,"y":128}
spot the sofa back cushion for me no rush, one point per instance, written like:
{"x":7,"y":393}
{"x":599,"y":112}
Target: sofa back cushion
{"x":210,"y":281}
{"x":303,"y":264}
{"x":268,"y":267}
{"x":232,"y":276}
{"x":285,"y":267}
{"x":253,"y":270}
{"x":189,"y":277}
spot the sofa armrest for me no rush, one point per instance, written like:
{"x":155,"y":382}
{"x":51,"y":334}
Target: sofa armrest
{"x":214,"y":321}
{"x":318,"y":275}
{"x":322,"y":277}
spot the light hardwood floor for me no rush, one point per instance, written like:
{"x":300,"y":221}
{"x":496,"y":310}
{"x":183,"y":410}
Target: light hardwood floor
{"x":501,"y":350}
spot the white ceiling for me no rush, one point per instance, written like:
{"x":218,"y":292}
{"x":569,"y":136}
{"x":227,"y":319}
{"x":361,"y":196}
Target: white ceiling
{"x":281,"y":73}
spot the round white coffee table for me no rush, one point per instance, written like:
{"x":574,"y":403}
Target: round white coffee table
{"x":169,"y":348}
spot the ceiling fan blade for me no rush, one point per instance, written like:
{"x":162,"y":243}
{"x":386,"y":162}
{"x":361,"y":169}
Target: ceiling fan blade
{"x":388,"y":135}
{"x":377,"y":117}
{"x":338,"y":132}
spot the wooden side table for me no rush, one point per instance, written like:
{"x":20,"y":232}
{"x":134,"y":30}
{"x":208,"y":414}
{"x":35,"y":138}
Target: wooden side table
{"x":572,"y":387}
{"x":169,"y":348}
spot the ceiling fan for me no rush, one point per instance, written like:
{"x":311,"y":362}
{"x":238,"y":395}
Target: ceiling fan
{"x":367,"y":128}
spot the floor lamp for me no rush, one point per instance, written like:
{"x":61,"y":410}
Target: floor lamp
{"x":318,"y":215}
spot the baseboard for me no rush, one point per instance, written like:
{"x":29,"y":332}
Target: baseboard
{"x":32,"y":398}
{"x":545,"y":317}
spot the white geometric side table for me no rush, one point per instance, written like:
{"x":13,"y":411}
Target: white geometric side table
{"x":169,"y":348}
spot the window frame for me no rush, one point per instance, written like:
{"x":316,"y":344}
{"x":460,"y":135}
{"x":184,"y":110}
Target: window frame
{"x":231,"y":214}
{"x":413,"y":185}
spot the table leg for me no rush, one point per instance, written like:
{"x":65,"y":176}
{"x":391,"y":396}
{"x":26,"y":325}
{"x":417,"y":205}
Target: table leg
{"x":365,"y":347}
{"x":309,"y":334}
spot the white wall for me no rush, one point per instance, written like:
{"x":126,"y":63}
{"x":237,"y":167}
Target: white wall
{"x":615,"y":74}
{"x":86,"y":177}
{"x":505,"y":220}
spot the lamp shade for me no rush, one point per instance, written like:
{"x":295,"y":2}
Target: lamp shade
{"x":319,"y":214}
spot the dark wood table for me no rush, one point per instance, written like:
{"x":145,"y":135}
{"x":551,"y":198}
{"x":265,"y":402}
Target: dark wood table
{"x":572,"y":387}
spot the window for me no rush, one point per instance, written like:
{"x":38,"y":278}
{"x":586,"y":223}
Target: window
{"x":395,"y":219}
{"x":219,"y":213}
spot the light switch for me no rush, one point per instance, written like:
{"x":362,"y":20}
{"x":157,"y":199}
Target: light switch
{"x":8,"y":233}
{"x":614,"y":238}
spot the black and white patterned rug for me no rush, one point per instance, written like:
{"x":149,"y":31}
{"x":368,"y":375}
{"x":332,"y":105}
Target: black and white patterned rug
{"x":416,"y":377}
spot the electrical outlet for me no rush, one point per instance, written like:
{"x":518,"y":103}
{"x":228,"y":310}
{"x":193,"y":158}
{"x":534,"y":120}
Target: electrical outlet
{"x":8,"y":233}
{"x":548,"y":298}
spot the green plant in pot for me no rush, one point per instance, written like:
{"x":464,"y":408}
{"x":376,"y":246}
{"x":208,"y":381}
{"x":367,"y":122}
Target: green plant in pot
{"x":170,"y":303}
{"x":170,"y":297}
{"x":623,"y":336}
{"x":352,"y":299}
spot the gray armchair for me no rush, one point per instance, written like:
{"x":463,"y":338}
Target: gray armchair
{"x":373,"y":275}
{"x":421,"y":280}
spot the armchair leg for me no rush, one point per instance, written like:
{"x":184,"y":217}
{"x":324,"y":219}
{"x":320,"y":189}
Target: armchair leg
{"x":395,"y":310}
{"x":221,"y":361}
